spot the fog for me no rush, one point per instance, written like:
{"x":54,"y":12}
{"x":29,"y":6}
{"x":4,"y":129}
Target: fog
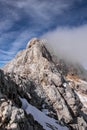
{"x":71,"y":43}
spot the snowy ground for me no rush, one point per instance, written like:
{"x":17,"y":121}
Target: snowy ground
{"x":45,"y":121}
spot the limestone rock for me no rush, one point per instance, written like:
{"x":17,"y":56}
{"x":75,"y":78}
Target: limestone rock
{"x":12,"y":117}
{"x":42,"y":80}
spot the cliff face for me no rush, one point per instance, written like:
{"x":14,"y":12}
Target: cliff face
{"x":53,"y":86}
{"x":12,"y":116}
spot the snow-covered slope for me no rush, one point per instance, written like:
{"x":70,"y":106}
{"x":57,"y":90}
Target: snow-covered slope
{"x":47,"y":122}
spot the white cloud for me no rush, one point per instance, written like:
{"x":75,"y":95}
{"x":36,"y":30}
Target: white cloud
{"x":40,"y":11}
{"x":69,"y":42}
{"x":5,"y":25}
{"x":37,"y":15}
{"x":44,"y":10}
{"x":6,"y":52}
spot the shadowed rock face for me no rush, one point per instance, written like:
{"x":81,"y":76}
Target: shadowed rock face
{"x":42,"y":80}
{"x":12,"y":116}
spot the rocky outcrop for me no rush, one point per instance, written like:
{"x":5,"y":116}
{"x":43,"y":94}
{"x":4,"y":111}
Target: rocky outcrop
{"x":12,"y":116}
{"x":43,"y":81}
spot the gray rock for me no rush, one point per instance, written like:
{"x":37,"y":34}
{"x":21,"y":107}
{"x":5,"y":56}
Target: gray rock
{"x":12,"y":117}
{"x":42,"y":80}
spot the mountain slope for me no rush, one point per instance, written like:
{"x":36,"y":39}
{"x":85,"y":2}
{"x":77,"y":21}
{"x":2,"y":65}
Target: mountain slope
{"x":12,"y":116}
{"x":42,"y":82}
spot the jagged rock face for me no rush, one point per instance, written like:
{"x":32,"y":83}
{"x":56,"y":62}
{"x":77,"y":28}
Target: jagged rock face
{"x":12,"y":117}
{"x":40,"y":81}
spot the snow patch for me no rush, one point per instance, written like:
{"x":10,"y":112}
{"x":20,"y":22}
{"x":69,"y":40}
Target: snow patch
{"x":65,"y":84}
{"x":45,"y":121}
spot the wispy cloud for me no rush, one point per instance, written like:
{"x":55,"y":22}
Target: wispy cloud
{"x":5,"y":52}
{"x":20,"y":20}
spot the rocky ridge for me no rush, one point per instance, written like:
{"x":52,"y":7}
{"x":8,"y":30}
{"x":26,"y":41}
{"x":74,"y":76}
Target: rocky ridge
{"x":47,"y":84}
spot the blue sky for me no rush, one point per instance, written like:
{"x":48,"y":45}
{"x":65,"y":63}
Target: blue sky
{"x":20,"y":20}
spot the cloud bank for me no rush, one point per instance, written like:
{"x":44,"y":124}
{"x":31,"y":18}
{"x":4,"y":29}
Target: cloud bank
{"x":20,"y":20}
{"x":70,"y":43}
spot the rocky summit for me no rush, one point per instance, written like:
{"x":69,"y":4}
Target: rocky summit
{"x":41,"y":92}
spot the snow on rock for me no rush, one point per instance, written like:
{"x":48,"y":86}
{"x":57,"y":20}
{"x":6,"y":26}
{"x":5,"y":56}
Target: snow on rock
{"x":45,"y":121}
{"x":83,"y":99}
{"x":45,"y":111}
{"x":83,"y":82}
{"x":65,"y":84}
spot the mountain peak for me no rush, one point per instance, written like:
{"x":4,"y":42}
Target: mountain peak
{"x":32,"y":42}
{"x":45,"y":82}
{"x":35,"y":52}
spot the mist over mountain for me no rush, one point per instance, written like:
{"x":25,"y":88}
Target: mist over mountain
{"x":70,"y":43}
{"x":39,"y":91}
{"x":21,"y":20}
{"x":43,"y":82}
